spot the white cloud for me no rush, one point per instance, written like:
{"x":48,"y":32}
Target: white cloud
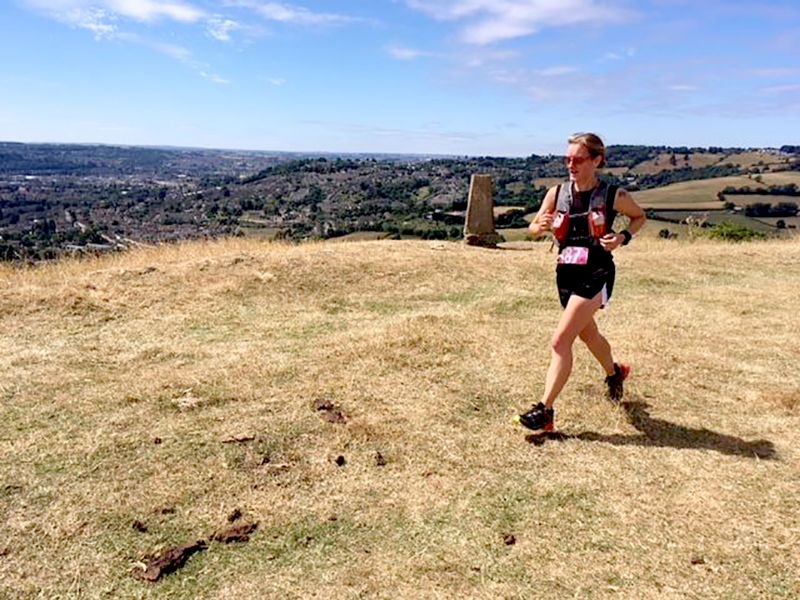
{"x":434,"y":132}
{"x":682,"y":87}
{"x":149,"y":10}
{"x":277,"y":81}
{"x":477,"y":60}
{"x":72,"y":11}
{"x":782,"y":89}
{"x":496,"y":20}
{"x":404,"y":53}
{"x":102,"y":17}
{"x":775,"y":72}
{"x":213,"y":77}
{"x":562,"y":84}
{"x":175,"y":51}
{"x":489,"y":57}
{"x":447,"y":9}
{"x":629,"y":53}
{"x":77,"y":13}
{"x":94,"y":19}
{"x":287,"y":13}
{"x":220,"y":28}
{"x":556,"y":71}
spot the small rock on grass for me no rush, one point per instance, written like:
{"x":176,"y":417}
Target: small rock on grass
{"x":167,"y":561}
{"x":334,"y":416}
{"x":235,"y":516}
{"x":139,"y":526}
{"x":237,"y":533}
{"x":330,"y":412}
{"x":323,"y":404}
{"x":509,"y":539}
{"x":239,"y":439}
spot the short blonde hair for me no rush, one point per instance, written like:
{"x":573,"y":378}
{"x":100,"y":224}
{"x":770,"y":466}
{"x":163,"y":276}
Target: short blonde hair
{"x":593,"y":143}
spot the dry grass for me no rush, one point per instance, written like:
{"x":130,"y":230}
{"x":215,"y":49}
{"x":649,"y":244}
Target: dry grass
{"x":618,"y":171}
{"x":700,"y":194}
{"x":755,"y":158}
{"x":501,"y":210}
{"x":360,"y":236}
{"x":697,"y":160}
{"x":123,"y":377}
{"x":548,"y":181}
{"x":781,"y":178}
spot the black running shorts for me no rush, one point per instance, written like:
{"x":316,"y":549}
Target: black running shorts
{"x":585,"y":281}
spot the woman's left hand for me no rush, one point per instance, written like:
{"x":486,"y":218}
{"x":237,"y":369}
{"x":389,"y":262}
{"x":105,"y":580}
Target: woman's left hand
{"x":611,"y":241}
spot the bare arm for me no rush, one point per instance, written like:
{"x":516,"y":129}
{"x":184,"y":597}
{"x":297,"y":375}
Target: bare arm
{"x":624,"y":204}
{"x":544,"y":218}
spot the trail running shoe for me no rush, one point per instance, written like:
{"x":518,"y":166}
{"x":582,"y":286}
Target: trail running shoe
{"x":538,"y":417}
{"x":614,"y":382}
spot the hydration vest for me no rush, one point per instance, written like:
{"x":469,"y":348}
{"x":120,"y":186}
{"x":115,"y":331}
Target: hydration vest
{"x":597,"y":214}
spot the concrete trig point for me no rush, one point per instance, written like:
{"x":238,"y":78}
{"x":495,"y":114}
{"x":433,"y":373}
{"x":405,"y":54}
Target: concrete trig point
{"x":479,"y":223}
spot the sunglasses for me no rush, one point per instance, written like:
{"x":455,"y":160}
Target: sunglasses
{"x":576,"y":160}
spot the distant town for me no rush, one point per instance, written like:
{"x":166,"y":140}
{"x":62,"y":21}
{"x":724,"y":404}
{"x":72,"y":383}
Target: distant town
{"x":60,"y":199}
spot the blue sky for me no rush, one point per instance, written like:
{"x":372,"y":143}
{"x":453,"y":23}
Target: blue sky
{"x":472,"y":77}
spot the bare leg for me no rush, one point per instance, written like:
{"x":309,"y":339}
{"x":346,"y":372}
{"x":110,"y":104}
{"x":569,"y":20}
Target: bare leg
{"x":578,"y":314}
{"x":598,"y":345}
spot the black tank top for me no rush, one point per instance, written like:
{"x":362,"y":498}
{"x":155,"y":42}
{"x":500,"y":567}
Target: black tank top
{"x":578,"y":233}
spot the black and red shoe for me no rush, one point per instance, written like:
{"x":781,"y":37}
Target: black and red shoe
{"x":614,"y":382}
{"x":538,"y":418}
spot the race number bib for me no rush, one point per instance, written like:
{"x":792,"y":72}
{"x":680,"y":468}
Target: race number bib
{"x":574,"y":255}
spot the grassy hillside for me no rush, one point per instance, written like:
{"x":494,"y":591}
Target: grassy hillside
{"x":755,"y":158}
{"x":669,"y":161}
{"x":700,"y":194}
{"x":145,"y":397}
{"x":699,"y":198}
{"x":781,"y":178}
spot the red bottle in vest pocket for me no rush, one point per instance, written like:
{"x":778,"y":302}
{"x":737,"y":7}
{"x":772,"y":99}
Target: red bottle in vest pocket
{"x":597,"y":224}
{"x":560,"y":226}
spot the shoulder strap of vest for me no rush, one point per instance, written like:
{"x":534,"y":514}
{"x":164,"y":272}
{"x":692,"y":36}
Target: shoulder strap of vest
{"x":602,"y":197}
{"x":611,"y":195}
{"x":599,"y":199}
{"x":564,"y":197}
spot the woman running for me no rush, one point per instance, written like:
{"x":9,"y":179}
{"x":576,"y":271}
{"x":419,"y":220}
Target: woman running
{"x":580,"y":213}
